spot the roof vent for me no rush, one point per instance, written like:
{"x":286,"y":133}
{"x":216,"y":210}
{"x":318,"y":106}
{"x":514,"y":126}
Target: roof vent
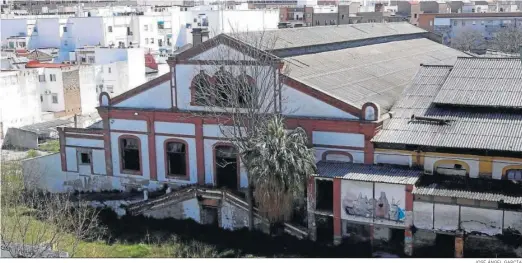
{"x":430,"y":119}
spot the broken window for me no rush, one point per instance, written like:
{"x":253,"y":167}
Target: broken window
{"x":224,"y":83}
{"x":245,"y":90}
{"x":130,"y":154}
{"x":201,"y":85}
{"x":85,"y":158}
{"x":226,"y":166}
{"x":176,"y":153}
{"x":324,"y":195}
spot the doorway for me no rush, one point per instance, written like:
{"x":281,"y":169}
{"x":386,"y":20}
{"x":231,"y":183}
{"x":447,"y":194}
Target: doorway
{"x":226,"y":167}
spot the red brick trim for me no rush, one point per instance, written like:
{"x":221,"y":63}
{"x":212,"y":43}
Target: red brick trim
{"x":143,"y":87}
{"x":337,"y":207}
{"x":325,"y":154}
{"x":375,"y":108}
{"x":200,"y":151}
{"x":409,"y":198}
{"x":230,"y":42}
{"x":174,"y":135}
{"x":120,"y":149}
{"x":107,"y":141}
{"x":63,"y":157}
{"x":215,"y":167}
{"x":339,"y":147}
{"x":293,"y":83}
{"x":187,"y":160}
{"x":133,"y":132}
{"x":100,"y":99}
{"x":152,"y":147}
{"x":173,"y":85}
{"x":84,"y":136}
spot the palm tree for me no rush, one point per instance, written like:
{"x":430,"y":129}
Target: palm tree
{"x":280,"y":162}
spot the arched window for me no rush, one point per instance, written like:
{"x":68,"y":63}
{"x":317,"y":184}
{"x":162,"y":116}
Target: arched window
{"x":514,"y":174}
{"x":245,"y":90}
{"x":224,"y":83}
{"x":369,"y":113}
{"x":200,"y":89}
{"x":176,"y":156}
{"x":130,"y":154}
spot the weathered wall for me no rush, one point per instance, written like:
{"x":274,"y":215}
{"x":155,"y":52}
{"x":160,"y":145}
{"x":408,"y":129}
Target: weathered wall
{"x":373,"y":202}
{"x":44,"y":173}
{"x":18,"y":138}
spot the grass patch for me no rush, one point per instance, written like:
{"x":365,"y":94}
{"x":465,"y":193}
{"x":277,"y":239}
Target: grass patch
{"x":52,"y":146}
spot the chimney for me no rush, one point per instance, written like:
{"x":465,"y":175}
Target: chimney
{"x":199,"y":35}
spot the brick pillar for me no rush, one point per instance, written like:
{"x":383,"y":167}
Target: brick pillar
{"x":312,"y":228}
{"x":200,"y":152}
{"x":459,"y":245}
{"x":337,"y":211}
{"x":408,"y":235}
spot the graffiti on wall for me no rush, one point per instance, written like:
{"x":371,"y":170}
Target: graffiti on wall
{"x":359,"y":201}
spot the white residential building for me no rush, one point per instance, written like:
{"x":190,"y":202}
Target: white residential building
{"x":116,"y":69}
{"x":20,"y":99}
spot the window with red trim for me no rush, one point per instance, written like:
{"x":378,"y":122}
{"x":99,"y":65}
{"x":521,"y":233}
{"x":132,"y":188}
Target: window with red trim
{"x":130,"y":154}
{"x":177,"y":158}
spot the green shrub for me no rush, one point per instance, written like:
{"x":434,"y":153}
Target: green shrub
{"x":32,"y":153}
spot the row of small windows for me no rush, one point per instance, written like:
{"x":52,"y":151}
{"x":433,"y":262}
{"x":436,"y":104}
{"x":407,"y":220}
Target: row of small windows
{"x":52,"y":77}
{"x":177,"y":160}
{"x":223,"y":89}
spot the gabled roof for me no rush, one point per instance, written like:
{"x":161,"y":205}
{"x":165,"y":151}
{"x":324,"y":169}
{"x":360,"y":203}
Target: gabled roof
{"x":223,"y":39}
{"x":486,"y":82}
{"x":287,"y":38}
{"x":374,"y":73}
{"x":483,"y":128}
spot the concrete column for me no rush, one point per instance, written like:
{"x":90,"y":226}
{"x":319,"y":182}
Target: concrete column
{"x":459,"y":245}
{"x":337,"y":211}
{"x":312,"y":229}
{"x":408,"y":242}
{"x":145,"y":195}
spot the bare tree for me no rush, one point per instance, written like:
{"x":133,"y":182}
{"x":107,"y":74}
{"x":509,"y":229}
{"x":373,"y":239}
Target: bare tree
{"x":34,"y":223}
{"x":470,"y":40}
{"x":507,"y":39}
{"x":239,"y":84}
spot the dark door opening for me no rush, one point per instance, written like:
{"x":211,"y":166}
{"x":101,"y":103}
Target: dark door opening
{"x":324,"y":229}
{"x":444,"y":246}
{"x":226,"y":163}
{"x":397,"y":241}
{"x":324,"y":195}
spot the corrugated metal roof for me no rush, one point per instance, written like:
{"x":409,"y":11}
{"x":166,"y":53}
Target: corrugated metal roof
{"x":376,"y":73}
{"x":467,"y":194}
{"x":471,"y":188}
{"x":469,"y":128}
{"x":369,"y":173}
{"x":318,"y":35}
{"x":491,"y":82}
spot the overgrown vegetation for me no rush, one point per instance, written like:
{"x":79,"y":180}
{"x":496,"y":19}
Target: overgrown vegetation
{"x":52,"y":146}
{"x":32,"y":153}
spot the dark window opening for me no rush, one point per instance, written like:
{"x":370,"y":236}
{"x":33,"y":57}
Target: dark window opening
{"x":324,"y":195}
{"x":64,"y":29}
{"x":176,"y":158}
{"x":514,"y":174}
{"x":458,"y":166}
{"x":226,"y":167}
{"x":245,"y":91}
{"x":201,"y":88}
{"x":85,"y":158}
{"x":224,"y":83}
{"x":110,"y":29}
{"x":130,"y":153}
